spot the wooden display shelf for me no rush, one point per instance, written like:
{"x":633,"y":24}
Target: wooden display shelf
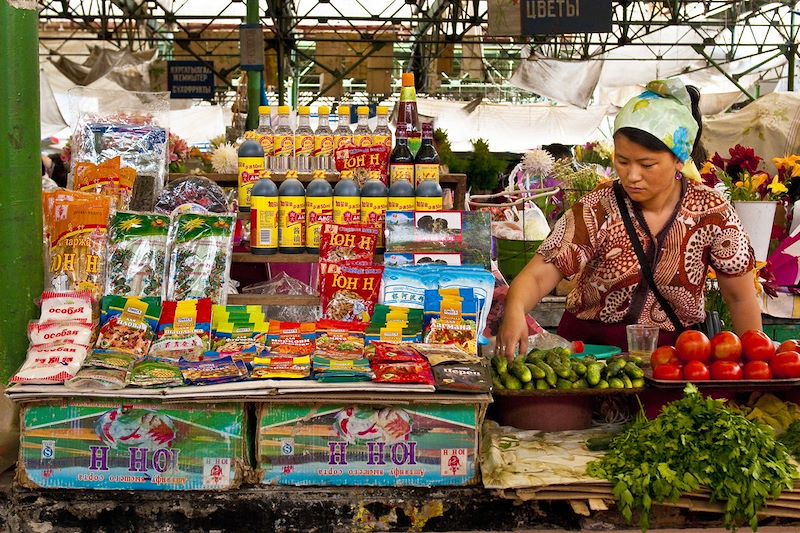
{"x":458,"y":182}
{"x":272,"y":299}
{"x":244,"y":257}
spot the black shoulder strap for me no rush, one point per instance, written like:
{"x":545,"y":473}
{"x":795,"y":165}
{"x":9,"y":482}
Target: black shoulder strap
{"x":647,"y":274}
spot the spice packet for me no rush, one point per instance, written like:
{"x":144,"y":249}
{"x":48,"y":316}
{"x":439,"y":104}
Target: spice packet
{"x":153,"y":373}
{"x":50,"y":365}
{"x":76,"y":226}
{"x":128,"y":324}
{"x":340,"y":340}
{"x":110,"y":359}
{"x":462,"y":378}
{"x":291,"y":338}
{"x":451,"y":318}
{"x":403,"y":373}
{"x":212,"y":370}
{"x":200,"y":257}
{"x":281,"y":367}
{"x":184,"y":330}
{"x":66,"y":307}
{"x":445,"y":353}
{"x":335,"y":370}
{"x":93,"y":378}
{"x":351,"y":294}
{"x":137,"y":254}
{"x":53,"y":333}
{"x":353,"y":242}
{"x":382,"y":352}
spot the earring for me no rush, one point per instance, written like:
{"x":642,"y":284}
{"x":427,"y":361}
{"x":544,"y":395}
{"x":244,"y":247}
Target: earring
{"x":678,"y":176}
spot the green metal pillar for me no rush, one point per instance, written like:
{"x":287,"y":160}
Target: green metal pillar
{"x":20,"y":180}
{"x":253,"y":76}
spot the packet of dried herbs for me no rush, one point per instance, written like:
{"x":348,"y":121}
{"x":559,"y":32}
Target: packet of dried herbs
{"x":137,"y":252}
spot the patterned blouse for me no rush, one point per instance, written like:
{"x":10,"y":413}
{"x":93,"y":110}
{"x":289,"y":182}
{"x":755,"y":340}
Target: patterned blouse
{"x":590,"y":240}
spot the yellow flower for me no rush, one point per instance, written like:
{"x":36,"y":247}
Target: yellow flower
{"x":796,"y":171}
{"x":776,"y":187}
{"x":786,"y":162}
{"x":708,"y":168}
{"x":758,"y":180}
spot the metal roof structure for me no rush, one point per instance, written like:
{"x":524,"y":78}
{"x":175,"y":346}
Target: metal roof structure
{"x":312,"y":46}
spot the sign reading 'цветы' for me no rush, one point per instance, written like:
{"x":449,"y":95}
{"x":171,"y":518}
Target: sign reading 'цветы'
{"x":541,"y":17}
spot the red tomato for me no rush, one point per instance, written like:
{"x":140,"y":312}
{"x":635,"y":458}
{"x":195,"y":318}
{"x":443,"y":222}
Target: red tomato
{"x":756,"y":346}
{"x":664,"y":355}
{"x":757,"y":370}
{"x":693,"y":346}
{"x":696,"y":371}
{"x":726,"y":370}
{"x":668,"y":372}
{"x":786,"y":365}
{"x":788,"y":346}
{"x":726,"y":346}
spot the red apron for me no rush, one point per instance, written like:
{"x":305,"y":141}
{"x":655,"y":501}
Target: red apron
{"x":597,"y":332}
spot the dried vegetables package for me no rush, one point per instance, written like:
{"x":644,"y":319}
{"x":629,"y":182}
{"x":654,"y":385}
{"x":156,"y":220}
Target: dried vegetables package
{"x":340,"y":340}
{"x":281,"y":367}
{"x":128,"y":324}
{"x":184,"y":330}
{"x":212,"y":370}
{"x":462,"y":378}
{"x":152,"y":373}
{"x":200,"y":257}
{"x":47,"y":365}
{"x":403,"y":373}
{"x":137,"y":254}
{"x":351,"y":294}
{"x":93,"y":378}
{"x":76,"y":227}
{"x":53,"y":333}
{"x":69,"y":306}
{"x":291,"y":338}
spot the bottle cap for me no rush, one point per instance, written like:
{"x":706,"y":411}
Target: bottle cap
{"x":284,"y":110}
{"x":324,"y":110}
{"x":344,"y":110}
{"x":408,"y":79}
{"x":363,"y":110}
{"x":263,"y":110}
{"x":382,"y":110}
{"x":304,"y":110}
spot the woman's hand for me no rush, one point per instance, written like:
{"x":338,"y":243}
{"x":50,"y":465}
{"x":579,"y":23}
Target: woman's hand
{"x":512,"y":338}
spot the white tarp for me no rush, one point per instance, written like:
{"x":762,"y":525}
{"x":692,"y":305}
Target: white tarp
{"x":546,"y":77}
{"x":513,"y":127}
{"x":771,"y":125}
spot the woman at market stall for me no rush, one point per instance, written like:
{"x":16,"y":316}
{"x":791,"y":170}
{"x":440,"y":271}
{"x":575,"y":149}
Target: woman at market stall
{"x":681,"y":227}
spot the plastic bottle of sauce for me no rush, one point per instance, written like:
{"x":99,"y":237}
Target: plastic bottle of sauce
{"x":346,"y":200}
{"x":401,"y":162}
{"x":426,"y":162}
{"x":374,"y":203}
{"x":284,"y":141}
{"x":428,"y":196}
{"x":343,"y":135}
{"x":401,"y":197}
{"x":323,"y":142}
{"x":291,"y":217}
{"x":264,"y":217}
{"x":303,"y":141}
{"x":266,"y":135}
{"x":319,"y":209}
{"x":382,"y":134}
{"x":362,"y":136}
{"x":407,"y":112}
{"x":251,"y":166}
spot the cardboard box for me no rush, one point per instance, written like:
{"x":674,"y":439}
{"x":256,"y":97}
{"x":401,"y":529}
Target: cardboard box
{"x":132,"y":445}
{"x":422,"y":445}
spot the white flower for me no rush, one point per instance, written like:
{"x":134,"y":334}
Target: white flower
{"x":225,"y":159}
{"x":538,"y":162}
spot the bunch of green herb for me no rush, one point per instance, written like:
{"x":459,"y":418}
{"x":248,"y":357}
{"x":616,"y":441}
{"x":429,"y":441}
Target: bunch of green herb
{"x":574,"y":183}
{"x":696,"y":442}
{"x":791,"y":439}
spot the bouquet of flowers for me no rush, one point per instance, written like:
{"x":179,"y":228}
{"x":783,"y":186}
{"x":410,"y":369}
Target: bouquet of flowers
{"x":742,"y":178}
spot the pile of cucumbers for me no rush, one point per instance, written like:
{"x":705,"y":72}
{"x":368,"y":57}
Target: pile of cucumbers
{"x":558,"y":369}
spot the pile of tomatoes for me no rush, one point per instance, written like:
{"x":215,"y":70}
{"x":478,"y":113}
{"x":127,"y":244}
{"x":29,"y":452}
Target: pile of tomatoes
{"x":726,"y":357}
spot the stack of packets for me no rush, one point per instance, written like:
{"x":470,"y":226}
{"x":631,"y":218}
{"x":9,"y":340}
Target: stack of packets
{"x":399,"y":363}
{"x":59,"y":340}
{"x":239,"y":331}
{"x":450,"y":318}
{"x":395,"y":325}
{"x":349,"y":281}
{"x":339,"y":353}
{"x":127,"y":331}
{"x":289,"y":349}
{"x":407,"y":286}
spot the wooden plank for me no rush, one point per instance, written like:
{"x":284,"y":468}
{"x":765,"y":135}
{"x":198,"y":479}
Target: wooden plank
{"x":580,"y":507}
{"x":596,"y":504}
{"x":286,"y":258}
{"x":267,"y":299}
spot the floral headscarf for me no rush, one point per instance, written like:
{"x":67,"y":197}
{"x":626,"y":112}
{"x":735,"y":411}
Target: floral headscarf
{"x":664,"y":110}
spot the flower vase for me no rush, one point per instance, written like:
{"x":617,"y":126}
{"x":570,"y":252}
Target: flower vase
{"x":757,"y":219}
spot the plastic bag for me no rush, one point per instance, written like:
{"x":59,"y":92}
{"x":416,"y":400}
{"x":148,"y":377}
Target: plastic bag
{"x":137,"y":254}
{"x":548,"y":341}
{"x":195,"y":190}
{"x":283,"y":284}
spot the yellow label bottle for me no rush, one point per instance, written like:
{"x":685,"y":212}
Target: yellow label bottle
{"x":426,"y":172}
{"x":264,"y":218}
{"x":251,"y":166}
{"x":291,"y":217}
{"x":319,"y":211}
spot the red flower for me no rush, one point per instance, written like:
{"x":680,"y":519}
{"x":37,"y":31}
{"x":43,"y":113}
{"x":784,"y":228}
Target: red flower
{"x":744,"y":158}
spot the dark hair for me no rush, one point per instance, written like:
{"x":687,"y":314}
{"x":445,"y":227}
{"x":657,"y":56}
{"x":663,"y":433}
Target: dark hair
{"x":654,"y":144}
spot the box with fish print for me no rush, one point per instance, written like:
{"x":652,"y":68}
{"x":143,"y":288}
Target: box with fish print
{"x":364,"y":445}
{"x":132,"y":445}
